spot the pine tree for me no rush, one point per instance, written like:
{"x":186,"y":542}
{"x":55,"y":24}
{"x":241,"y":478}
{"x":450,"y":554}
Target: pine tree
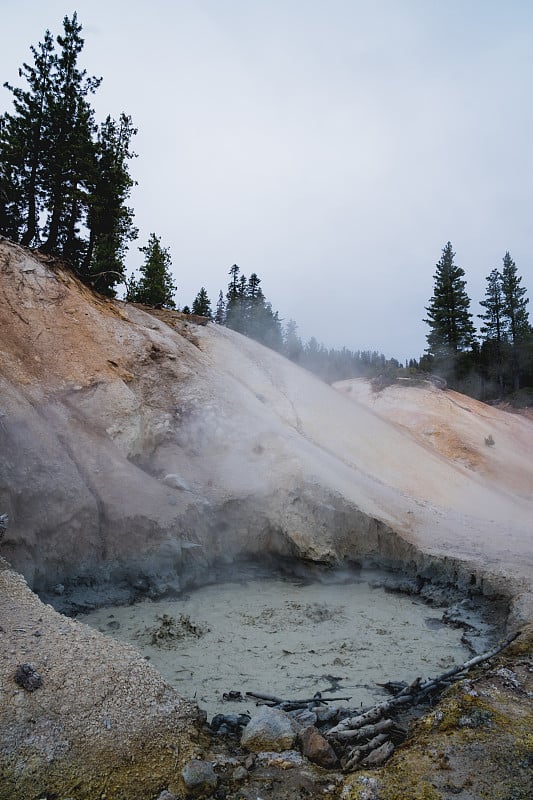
{"x":449,"y":317}
{"x":68,"y":161}
{"x":515,"y":313}
{"x":109,"y":219}
{"x":234,"y":298}
{"x":155,"y":287}
{"x":202,"y":304}
{"x":515,"y":316}
{"x":494,"y":304}
{"x":494,"y":329}
{"x":292,"y":344}
{"x":220,"y":313}
{"x":25,"y":142}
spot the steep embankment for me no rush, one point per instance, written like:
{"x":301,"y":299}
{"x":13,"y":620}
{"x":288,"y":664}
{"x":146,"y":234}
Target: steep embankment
{"x":129,"y":435}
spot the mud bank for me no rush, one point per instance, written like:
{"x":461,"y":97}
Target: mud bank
{"x":303,"y":530}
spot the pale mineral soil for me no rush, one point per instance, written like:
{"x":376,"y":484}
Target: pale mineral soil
{"x":290,"y":638}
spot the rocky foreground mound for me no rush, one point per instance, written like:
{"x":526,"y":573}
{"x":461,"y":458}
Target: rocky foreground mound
{"x":139,"y":449}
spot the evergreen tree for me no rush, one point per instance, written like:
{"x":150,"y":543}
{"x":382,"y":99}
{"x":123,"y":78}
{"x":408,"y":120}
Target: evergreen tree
{"x":220,"y":314}
{"x":155,"y":287}
{"x":494,"y":305}
{"x":516,"y":317}
{"x":449,"y":317}
{"x":109,"y":219}
{"x":58,"y":167}
{"x":202,"y":304}
{"x":292,"y":344}
{"x":69,"y":157}
{"x":493,"y":330}
{"x":515,"y":313}
{"x":234,"y":298}
{"x":25,"y":142}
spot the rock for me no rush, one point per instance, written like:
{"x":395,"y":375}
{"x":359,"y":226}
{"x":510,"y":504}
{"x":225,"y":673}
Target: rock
{"x":28,"y":677}
{"x":175,"y":482}
{"x":304,"y":717}
{"x":250,"y":761}
{"x":239,"y":774}
{"x":222,"y":723}
{"x":166,"y":795}
{"x":327,"y":713}
{"x":199,"y":777}
{"x":268,"y":729}
{"x":316,"y":748}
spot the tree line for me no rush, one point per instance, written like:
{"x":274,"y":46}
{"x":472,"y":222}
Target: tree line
{"x":498,"y":362}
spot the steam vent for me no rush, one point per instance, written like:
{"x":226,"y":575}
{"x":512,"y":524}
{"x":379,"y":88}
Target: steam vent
{"x":145,"y":459}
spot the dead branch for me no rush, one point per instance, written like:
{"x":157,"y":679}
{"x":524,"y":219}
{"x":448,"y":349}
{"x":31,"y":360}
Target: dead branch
{"x":293,"y":705}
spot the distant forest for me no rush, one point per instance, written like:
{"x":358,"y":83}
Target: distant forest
{"x":65,"y":185}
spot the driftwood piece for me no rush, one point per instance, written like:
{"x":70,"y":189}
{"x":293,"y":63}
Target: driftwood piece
{"x":366,"y":732}
{"x":356,"y":754}
{"x":378,"y":756}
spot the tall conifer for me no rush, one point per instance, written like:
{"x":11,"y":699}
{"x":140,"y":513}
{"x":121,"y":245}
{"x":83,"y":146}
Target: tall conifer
{"x":449,"y":318}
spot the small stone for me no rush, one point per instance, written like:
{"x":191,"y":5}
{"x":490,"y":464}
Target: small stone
{"x":28,"y":678}
{"x":316,"y":748}
{"x":176,"y":482}
{"x":326,"y":714}
{"x":250,"y":761}
{"x":166,"y":795}
{"x":269,"y":729}
{"x":240,"y":774}
{"x":199,"y":777}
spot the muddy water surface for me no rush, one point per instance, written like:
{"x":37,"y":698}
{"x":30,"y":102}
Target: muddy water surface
{"x":287,"y":638}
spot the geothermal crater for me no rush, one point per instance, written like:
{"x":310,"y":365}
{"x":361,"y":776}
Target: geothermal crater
{"x":338,"y":632}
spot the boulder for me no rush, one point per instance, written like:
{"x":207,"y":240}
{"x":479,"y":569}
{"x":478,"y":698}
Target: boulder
{"x":268,"y":729}
{"x":316,"y":748}
{"x":199,"y":777}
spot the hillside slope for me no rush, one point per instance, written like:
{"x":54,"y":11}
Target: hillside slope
{"x":127,"y":436}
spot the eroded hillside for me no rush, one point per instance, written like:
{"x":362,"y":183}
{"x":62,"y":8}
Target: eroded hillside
{"x":138,"y":449}
{"x":128,"y":436}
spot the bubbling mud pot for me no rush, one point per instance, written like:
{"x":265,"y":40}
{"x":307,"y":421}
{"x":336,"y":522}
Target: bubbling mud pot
{"x":291,"y":638}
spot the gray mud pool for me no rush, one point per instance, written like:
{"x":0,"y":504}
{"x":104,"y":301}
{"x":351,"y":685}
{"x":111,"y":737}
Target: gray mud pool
{"x":287,"y":638}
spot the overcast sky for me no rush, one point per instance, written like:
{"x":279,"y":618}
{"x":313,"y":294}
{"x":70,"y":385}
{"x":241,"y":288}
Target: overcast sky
{"x":331,"y":146}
